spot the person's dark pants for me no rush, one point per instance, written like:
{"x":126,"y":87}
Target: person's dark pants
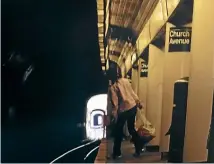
{"x":128,"y":116}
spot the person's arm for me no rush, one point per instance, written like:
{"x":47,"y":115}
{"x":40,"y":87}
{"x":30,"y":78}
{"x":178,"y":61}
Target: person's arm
{"x":109,"y":104}
{"x":109,"y":109}
{"x":114,"y":100}
{"x":134,"y":95}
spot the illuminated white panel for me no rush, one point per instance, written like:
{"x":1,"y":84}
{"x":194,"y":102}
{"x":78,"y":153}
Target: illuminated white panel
{"x":96,"y":107}
{"x":97,"y":102}
{"x":100,"y":120}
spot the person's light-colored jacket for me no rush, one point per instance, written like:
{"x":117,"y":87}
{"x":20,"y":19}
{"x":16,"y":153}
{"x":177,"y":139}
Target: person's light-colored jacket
{"x":121,"y":96}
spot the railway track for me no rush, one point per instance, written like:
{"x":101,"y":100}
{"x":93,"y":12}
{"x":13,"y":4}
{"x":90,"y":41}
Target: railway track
{"x":85,"y":153}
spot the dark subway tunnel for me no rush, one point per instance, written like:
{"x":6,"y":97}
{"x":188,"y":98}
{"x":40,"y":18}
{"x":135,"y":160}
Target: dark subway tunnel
{"x":59,"y":40}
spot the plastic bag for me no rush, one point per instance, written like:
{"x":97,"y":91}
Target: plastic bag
{"x":142,"y":125}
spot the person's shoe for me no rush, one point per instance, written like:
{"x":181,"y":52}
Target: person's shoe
{"x":127,"y":138}
{"x":143,"y":149}
{"x":117,"y":156}
{"x":136,"y":155}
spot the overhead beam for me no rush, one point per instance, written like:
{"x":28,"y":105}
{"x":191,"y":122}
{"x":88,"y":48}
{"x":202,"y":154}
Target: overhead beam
{"x":100,"y":18}
{"x":100,"y":12}
{"x":100,"y":6}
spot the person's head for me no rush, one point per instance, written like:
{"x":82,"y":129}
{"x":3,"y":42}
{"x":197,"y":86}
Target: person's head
{"x":115,"y":74}
{"x":112,"y":75}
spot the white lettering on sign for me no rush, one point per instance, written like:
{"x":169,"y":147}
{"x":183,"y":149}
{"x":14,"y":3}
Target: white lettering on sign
{"x":144,"y":70}
{"x":179,"y":41}
{"x":144,"y":67}
{"x":179,"y":34}
{"x":179,"y":37}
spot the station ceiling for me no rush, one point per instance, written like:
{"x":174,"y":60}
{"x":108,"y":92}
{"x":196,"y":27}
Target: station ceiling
{"x":119,"y":25}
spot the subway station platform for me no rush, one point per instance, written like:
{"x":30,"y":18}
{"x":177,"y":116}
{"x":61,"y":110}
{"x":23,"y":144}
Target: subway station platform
{"x":105,"y":151}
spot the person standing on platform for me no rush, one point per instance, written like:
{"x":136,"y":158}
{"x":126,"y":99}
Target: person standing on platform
{"x":124,"y":107}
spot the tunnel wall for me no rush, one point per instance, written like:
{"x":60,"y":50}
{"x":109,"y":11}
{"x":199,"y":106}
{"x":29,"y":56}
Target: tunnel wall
{"x":123,"y":70}
{"x":160,"y":16}
{"x":142,"y":90}
{"x":144,"y":38}
{"x":128,"y":63}
{"x":171,"y":5}
{"x":155,"y":89}
{"x":176,"y":66}
{"x":135,"y":77}
{"x":200,"y":92}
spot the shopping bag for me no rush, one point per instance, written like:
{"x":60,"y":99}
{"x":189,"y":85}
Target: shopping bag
{"x":142,"y":125}
{"x":143,"y":132}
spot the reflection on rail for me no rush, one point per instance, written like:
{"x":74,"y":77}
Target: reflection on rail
{"x":90,"y":153}
{"x":84,"y":153}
